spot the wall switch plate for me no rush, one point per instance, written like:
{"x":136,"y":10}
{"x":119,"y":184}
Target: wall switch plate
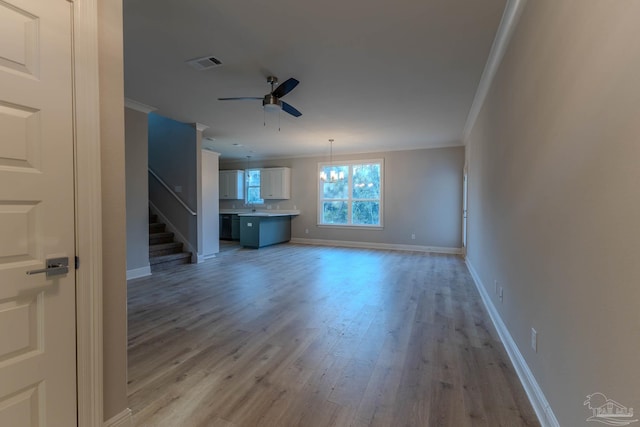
{"x":534,"y":340}
{"x":413,"y":237}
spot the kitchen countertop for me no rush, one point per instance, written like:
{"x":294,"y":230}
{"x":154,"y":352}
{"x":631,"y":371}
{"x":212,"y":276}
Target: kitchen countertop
{"x":264,"y":214}
{"x":261,"y":213}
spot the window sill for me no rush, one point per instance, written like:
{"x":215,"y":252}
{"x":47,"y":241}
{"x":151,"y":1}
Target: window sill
{"x":352,"y":227}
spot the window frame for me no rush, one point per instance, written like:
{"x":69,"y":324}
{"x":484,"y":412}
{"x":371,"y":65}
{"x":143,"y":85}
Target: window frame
{"x":350,"y":164}
{"x":246,"y":187}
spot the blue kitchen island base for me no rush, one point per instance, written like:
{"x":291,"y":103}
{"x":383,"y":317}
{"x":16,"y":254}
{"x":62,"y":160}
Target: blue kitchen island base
{"x":257,"y":231}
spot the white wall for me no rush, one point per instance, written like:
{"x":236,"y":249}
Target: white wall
{"x":553,"y":211}
{"x":137,"y":186}
{"x":422,"y":196}
{"x":209,"y":213}
{"x":112,"y":152}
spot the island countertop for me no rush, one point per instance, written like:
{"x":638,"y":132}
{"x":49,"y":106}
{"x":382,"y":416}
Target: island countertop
{"x":261,"y":213}
{"x":266,"y":214}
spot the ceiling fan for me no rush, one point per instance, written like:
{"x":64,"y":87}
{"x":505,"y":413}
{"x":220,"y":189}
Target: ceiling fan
{"x":272,"y":99}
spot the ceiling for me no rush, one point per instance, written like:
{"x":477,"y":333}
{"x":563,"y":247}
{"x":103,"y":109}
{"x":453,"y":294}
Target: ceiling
{"x":375,"y":75}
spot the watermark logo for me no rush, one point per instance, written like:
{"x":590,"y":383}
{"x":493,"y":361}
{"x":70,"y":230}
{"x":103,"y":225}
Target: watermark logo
{"x":608,"y":411}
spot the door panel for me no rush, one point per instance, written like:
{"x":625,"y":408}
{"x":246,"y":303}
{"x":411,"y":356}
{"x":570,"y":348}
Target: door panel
{"x":37,"y":313}
{"x":464,"y":211}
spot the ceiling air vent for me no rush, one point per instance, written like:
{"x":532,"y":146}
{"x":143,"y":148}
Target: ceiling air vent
{"x":204,"y":63}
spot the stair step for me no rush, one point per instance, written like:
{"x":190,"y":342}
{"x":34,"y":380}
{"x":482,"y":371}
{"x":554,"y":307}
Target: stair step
{"x":165,"y":249}
{"x":157,"y":238}
{"x":164,"y":252}
{"x":170,"y":260}
{"x":156,"y":227}
{"x":170,"y":257}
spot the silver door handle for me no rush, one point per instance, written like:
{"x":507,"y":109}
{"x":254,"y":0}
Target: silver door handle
{"x":55,"y":267}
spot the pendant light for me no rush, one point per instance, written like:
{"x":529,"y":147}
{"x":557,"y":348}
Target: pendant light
{"x":333,"y":174}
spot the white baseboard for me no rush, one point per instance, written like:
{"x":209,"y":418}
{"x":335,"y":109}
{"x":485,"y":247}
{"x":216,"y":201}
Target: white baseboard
{"x":537,"y":398}
{"x":136,"y":273}
{"x":370,"y":245}
{"x":203,"y":258}
{"x":123,"y":419}
{"x":178,"y":236}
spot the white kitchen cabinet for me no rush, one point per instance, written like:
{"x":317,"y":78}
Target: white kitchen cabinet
{"x":275,"y":183}
{"x":232,"y":185}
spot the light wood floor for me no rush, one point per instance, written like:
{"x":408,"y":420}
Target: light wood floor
{"x":294,"y":335}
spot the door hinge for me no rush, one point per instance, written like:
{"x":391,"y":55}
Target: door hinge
{"x":77,"y":263}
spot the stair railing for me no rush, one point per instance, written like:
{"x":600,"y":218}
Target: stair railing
{"x":164,"y":184}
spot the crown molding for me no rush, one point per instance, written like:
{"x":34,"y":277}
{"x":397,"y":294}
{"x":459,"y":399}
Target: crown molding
{"x":510,"y":18}
{"x":138,"y":106}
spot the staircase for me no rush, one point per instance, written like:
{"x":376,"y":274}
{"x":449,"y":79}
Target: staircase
{"x":164,"y":251}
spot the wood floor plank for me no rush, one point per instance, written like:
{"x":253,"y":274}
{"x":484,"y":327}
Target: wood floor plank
{"x":295,"y":335}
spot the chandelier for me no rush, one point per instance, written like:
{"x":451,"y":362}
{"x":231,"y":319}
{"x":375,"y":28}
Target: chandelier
{"x":334,"y":175}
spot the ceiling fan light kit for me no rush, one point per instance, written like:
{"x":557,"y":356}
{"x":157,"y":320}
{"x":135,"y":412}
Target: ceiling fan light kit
{"x":270,"y":102}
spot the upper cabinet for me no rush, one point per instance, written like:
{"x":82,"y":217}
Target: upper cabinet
{"x":275,"y":183}
{"x":232,"y":185}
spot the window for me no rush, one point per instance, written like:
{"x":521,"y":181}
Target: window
{"x":253,"y":187}
{"x":351,"y":193}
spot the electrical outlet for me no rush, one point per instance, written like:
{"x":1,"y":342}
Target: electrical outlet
{"x":306,"y":231}
{"x":413,"y":237}
{"x":495,"y":287}
{"x":177,"y":188}
{"x":295,"y":207}
{"x":501,"y":294}
{"x":534,"y":340}
{"x":277,"y":206}
{"x":233,"y":206}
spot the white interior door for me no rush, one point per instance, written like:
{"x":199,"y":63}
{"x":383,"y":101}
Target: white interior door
{"x":37,"y":312}
{"x":464,"y":211}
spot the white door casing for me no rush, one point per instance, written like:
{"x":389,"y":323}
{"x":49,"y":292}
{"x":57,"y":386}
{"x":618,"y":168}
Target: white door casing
{"x":465,"y":195}
{"x":37,"y":217}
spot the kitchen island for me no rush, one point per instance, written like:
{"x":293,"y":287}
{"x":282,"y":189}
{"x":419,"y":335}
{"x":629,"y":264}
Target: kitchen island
{"x":259,"y":229}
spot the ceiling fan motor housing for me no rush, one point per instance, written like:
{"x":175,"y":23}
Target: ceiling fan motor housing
{"x":271,"y":99}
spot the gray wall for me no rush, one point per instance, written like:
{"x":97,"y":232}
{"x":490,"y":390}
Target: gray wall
{"x":554,"y":207}
{"x":173,"y":153}
{"x":174,"y":156}
{"x":422,"y":196}
{"x":137,"y":183}
{"x":114,"y":296}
